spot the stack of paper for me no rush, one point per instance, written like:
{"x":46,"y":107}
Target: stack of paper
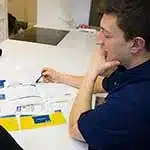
{"x":30,"y":106}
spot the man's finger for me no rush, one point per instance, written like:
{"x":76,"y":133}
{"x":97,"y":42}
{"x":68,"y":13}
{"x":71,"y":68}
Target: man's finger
{"x":45,"y":73}
{"x":112,"y":64}
{"x":45,"y":69}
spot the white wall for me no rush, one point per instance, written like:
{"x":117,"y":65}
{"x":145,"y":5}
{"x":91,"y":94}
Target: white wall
{"x":56,"y":13}
{"x":3,"y":20}
{"x":81,"y":11}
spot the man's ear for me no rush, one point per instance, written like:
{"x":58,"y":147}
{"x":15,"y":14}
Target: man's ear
{"x":137,"y":44}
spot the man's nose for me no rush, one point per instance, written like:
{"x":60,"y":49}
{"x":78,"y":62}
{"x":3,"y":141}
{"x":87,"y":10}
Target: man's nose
{"x":100,"y":38}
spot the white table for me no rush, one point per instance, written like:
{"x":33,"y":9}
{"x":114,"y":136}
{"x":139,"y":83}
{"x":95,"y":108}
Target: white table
{"x":23,"y":61}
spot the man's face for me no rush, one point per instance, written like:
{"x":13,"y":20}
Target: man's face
{"x":111,"y":37}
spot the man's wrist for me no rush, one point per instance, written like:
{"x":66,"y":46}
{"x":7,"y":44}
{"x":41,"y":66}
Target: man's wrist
{"x":91,"y":77}
{"x":58,"y":77}
{"x":90,"y":80}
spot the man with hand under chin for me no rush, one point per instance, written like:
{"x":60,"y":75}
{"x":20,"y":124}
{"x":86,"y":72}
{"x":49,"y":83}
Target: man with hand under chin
{"x":123,"y":123}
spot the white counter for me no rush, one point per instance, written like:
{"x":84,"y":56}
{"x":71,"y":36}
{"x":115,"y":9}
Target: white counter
{"x":23,"y":61}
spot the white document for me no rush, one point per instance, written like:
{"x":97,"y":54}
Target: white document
{"x":44,"y":90}
{"x":35,"y":99}
{"x":56,"y":91}
{"x":20,"y":92}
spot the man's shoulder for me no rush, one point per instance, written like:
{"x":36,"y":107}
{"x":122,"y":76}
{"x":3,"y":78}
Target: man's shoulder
{"x":136,"y":88}
{"x":137,"y":93}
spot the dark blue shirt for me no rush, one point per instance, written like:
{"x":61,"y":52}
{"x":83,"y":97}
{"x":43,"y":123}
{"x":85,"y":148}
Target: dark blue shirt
{"x":123,"y":123}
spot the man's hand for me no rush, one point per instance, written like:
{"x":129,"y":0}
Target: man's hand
{"x":99,"y":65}
{"x":50,"y":75}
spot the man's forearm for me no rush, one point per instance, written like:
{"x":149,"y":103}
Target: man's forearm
{"x":76,"y":81}
{"x":82,"y":102}
{"x":72,"y":80}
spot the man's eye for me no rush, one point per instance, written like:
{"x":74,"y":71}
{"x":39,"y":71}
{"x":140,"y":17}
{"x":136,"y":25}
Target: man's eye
{"x":107,"y":36}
